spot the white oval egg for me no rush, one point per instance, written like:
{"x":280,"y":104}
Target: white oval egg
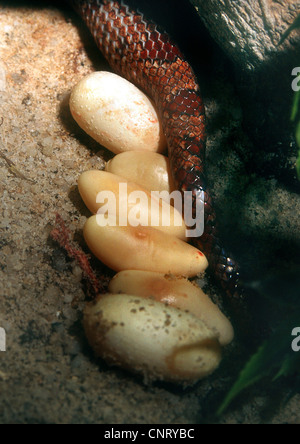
{"x":142,"y":248}
{"x":150,"y":338}
{"x":177,"y":292}
{"x":116,"y":114}
{"x":92,"y":184}
{"x":150,"y":170}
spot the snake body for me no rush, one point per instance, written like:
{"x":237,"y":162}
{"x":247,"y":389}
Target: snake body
{"x":145,"y":55}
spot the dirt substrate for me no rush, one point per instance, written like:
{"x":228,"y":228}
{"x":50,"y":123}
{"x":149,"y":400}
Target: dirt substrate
{"x":48,"y":373}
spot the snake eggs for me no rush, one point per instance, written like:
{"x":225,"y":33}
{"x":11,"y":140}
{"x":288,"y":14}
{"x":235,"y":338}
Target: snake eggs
{"x":116,"y":114}
{"x":153,"y":320}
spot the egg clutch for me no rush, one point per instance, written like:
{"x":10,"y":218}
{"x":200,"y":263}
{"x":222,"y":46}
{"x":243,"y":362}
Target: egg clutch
{"x":154,"y":320}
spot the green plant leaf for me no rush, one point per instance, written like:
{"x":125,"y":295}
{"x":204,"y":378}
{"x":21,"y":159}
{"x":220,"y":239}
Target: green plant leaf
{"x":295,"y":25}
{"x":288,"y":366}
{"x":252,"y":373}
{"x":298,"y":134}
{"x":296,"y":107}
{"x":298,"y":161}
{"x":275,"y":358}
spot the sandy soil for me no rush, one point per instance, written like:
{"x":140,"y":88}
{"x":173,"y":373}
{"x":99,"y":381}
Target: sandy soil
{"x":48,"y":373}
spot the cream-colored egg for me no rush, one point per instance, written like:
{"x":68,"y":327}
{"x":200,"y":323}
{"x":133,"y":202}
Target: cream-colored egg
{"x":116,"y":114}
{"x":175,"y":291}
{"x":129,"y":202}
{"x":147,"y":337}
{"x":142,"y":248}
{"x":149,"y":170}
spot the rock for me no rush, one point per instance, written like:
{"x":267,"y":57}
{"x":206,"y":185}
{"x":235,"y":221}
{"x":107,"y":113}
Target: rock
{"x":249,"y":35}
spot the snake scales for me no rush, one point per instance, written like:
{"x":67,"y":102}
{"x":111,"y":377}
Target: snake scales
{"x":138,"y":50}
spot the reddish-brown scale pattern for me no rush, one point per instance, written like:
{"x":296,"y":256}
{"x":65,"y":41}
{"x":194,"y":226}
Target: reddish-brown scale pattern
{"x":138,"y":51}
